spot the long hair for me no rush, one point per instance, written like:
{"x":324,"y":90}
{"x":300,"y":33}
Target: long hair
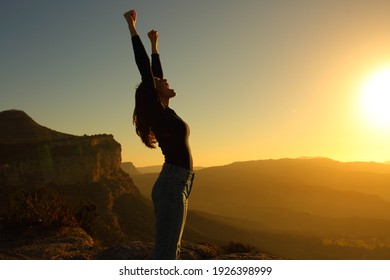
{"x":142,"y":117}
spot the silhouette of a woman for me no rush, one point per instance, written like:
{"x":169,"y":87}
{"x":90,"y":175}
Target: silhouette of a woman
{"x":156,"y":122}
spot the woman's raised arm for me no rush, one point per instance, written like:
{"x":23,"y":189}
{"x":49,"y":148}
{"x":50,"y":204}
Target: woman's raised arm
{"x":141,"y":57}
{"x":131,"y":18}
{"x":156,"y":63}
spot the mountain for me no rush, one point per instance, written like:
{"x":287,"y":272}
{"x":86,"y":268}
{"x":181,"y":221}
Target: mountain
{"x":130,"y":169}
{"x":85,"y":170}
{"x":319,"y":187}
{"x":30,"y":151}
{"x":294,"y":209}
{"x":150,"y":169}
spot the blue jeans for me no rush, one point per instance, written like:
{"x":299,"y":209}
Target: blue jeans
{"x":170,"y":199}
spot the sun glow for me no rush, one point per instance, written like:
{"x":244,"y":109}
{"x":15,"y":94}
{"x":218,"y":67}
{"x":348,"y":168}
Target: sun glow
{"x":375,"y":99}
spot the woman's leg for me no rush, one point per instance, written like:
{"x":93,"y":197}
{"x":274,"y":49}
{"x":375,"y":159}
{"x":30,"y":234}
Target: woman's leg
{"x":170,"y":198}
{"x":162,"y":209}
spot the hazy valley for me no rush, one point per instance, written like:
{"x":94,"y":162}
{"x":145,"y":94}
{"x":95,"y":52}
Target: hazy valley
{"x":342,"y":209}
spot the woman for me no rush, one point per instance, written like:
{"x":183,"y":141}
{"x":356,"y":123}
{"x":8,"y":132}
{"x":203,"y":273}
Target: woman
{"x":155,"y":123}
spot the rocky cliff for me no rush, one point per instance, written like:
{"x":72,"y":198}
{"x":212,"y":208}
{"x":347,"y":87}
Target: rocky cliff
{"x":29,"y":151}
{"x":84,"y":170}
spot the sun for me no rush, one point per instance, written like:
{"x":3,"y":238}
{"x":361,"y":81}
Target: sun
{"x":375,"y":99}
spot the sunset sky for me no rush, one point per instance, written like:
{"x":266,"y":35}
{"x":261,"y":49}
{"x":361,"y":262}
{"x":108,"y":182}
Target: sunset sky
{"x":255,"y":79}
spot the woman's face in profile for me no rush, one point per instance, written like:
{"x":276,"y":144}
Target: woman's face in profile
{"x":163,"y":90}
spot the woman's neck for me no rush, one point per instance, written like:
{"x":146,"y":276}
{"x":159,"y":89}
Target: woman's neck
{"x":165,"y":102}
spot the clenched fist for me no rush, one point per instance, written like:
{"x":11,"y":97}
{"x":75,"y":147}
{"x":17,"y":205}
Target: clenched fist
{"x":131,"y":17}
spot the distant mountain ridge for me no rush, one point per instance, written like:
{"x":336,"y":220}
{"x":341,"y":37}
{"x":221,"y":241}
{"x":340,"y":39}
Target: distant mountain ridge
{"x":320,"y":199}
{"x":130,"y":168}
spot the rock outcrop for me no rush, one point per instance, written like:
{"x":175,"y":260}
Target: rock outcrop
{"x":76,"y":244}
{"x":85,"y":170}
{"x":31,"y":152}
{"x":66,"y":244}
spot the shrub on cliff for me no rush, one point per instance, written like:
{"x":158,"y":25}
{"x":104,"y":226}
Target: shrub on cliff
{"x":36,"y":210}
{"x":86,"y":217}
